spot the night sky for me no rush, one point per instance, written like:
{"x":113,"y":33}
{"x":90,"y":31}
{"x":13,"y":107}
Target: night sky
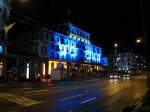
{"x":108,"y":21}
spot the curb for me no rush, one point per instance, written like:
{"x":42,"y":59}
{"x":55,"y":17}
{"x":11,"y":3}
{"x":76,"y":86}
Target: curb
{"x":135,"y":107}
{"x":138,"y":105}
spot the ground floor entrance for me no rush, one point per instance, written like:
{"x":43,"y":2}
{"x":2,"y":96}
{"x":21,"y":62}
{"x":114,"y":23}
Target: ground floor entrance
{"x":32,"y":68}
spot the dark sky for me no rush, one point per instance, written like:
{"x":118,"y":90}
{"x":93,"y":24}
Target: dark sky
{"x":107,"y":20}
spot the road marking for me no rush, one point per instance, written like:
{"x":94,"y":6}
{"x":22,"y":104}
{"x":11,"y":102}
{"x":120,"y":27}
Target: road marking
{"x":19,"y":99}
{"x":26,"y":88}
{"x":75,"y":96}
{"x":69,"y":89}
{"x":91,"y":80}
{"x":88,"y":100}
{"x":79,"y":87}
{"x":104,"y":89}
{"x":46,"y":91}
{"x":37,"y":91}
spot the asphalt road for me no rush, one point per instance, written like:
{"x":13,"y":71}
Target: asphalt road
{"x":96,"y":95}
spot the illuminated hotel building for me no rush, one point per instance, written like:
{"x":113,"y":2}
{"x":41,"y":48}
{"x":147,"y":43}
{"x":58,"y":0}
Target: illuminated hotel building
{"x":72,"y":45}
{"x":37,"y":52}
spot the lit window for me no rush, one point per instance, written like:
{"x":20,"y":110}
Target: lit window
{"x":43,"y":68}
{"x":70,"y":35}
{"x":74,"y":37}
{"x":118,"y":59}
{"x":27,"y":71}
{"x":82,"y":40}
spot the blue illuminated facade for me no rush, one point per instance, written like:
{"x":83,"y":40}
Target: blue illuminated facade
{"x":1,"y":49}
{"x":74,"y":46}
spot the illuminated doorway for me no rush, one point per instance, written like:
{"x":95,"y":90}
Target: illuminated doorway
{"x":1,"y":69}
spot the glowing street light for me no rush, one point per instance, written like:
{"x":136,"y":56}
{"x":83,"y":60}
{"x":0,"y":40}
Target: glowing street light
{"x":115,"y":45}
{"x":138,"y":40}
{"x":7,"y":28}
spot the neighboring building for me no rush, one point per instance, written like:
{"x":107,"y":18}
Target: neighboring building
{"x":4,"y":16}
{"x":128,"y":63}
{"x":38,"y":52}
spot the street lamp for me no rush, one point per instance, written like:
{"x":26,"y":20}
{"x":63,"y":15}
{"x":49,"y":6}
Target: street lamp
{"x":7,"y":28}
{"x":115,"y":45}
{"x":114,"y":56}
{"x":139,"y":40}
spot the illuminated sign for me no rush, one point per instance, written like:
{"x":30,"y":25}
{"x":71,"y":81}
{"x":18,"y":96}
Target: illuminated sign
{"x":67,"y":49}
{"x":77,"y":31}
{"x":104,"y":61}
{"x":1,"y":49}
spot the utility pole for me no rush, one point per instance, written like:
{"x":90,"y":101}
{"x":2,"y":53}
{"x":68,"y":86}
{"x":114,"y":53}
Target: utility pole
{"x":144,"y":28}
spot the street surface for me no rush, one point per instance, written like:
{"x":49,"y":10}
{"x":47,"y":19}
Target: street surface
{"x":95,"y":95}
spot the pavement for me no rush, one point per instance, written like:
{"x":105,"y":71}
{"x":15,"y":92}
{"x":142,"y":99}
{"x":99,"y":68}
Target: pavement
{"x":144,"y":104}
{"x":89,"y":95}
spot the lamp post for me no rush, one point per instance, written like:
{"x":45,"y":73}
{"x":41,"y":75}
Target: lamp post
{"x":7,"y":29}
{"x":146,"y":34}
{"x":115,"y":46}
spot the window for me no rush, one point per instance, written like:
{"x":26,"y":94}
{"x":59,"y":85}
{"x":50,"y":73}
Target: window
{"x":57,"y":48}
{"x":44,"y":50}
{"x":57,"y":39}
{"x":1,"y":9}
{"x":72,"y":43}
{"x":51,"y":38}
{"x":62,"y":48}
{"x":67,"y":49}
{"x":66,"y":42}
{"x":52,"y":46}
{"x":62,"y":40}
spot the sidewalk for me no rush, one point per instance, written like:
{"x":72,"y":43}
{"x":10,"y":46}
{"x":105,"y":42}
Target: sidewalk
{"x":145,"y":105}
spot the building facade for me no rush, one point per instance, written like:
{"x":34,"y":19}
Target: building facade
{"x":38,"y":53}
{"x":4,"y":17}
{"x":128,"y":63}
{"x":72,"y":47}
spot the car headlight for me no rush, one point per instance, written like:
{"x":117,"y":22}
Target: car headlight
{"x":115,"y":76}
{"x":111,"y":76}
